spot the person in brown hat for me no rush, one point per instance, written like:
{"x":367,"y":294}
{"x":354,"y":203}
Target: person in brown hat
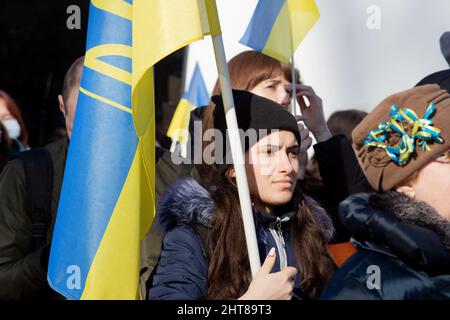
{"x":402,"y":232}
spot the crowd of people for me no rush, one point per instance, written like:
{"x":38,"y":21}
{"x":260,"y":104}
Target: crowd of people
{"x":366,"y":218}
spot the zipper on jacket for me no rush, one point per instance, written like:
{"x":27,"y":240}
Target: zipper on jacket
{"x":279,"y":240}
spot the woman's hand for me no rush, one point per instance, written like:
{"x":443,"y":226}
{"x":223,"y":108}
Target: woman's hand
{"x":304,"y":135}
{"x":271,"y":286}
{"x":306,"y":143}
{"x":312,"y":115}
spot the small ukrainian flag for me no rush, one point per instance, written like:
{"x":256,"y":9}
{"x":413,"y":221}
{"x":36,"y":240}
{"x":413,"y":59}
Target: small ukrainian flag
{"x":196,"y":96}
{"x":278,"y":27}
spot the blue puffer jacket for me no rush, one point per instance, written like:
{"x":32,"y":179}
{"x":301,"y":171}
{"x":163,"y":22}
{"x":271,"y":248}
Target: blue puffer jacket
{"x":403,"y":250}
{"x":182,"y":271}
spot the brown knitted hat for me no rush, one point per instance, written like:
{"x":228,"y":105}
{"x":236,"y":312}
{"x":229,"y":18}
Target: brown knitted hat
{"x":382,"y":168}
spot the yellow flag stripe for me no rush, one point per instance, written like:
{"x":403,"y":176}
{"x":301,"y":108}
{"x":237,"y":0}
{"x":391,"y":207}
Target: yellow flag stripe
{"x":304,"y":14}
{"x":105,"y":100}
{"x":294,"y":21}
{"x":91,"y":61}
{"x":213,"y":17}
{"x":179,"y":126}
{"x":144,"y":123}
{"x":164,"y":27}
{"x":120,"y":268}
{"x":279,"y":43}
{"x":159,"y":28}
{"x":118,"y":7}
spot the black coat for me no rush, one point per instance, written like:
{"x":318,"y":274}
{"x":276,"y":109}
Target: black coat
{"x":442,"y":78}
{"x":341,"y":177}
{"x":23,"y":270}
{"x":411,"y":261}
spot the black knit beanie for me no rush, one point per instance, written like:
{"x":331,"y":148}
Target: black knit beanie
{"x":253,"y":112}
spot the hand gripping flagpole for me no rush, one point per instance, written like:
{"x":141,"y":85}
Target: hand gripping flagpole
{"x":236,"y":147}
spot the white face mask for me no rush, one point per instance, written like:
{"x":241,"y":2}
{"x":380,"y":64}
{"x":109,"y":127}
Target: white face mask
{"x":12,"y":126}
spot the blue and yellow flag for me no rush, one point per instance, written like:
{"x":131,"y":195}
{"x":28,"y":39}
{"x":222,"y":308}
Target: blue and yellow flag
{"x":278,"y":26}
{"x":196,"y":96}
{"x":107,"y":198}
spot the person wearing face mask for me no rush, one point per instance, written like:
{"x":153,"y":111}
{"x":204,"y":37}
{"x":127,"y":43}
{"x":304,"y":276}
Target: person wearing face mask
{"x":204,"y":254}
{"x":402,"y":232}
{"x":29,"y":193}
{"x":5,"y":147}
{"x":12,"y":119}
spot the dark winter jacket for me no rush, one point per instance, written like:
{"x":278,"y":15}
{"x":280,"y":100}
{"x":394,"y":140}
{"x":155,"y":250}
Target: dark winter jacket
{"x":23,"y":268}
{"x":183,"y":267}
{"x":442,"y":78}
{"x":403,"y":250}
{"x":341,"y":177}
{"x":166,"y":173}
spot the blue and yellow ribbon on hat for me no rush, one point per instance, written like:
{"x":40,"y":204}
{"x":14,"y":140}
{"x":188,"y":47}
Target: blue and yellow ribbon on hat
{"x":422,"y":132}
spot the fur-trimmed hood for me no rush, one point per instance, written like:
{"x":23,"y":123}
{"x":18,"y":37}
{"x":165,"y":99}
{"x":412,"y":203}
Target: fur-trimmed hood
{"x":186,"y":201}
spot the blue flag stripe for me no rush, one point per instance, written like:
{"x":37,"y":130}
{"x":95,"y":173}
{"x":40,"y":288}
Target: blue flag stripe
{"x":116,"y":30}
{"x":123,"y":63}
{"x":106,"y":87}
{"x":102,"y":148}
{"x":91,"y":187}
{"x":261,"y":24}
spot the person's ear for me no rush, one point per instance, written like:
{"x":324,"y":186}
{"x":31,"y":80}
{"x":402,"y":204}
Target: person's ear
{"x":62,"y":107}
{"x":407,"y":190}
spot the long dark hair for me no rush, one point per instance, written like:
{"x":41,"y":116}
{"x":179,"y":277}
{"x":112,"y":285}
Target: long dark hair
{"x":229,"y":270}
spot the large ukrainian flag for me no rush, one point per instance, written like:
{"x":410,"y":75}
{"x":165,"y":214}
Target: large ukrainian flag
{"x":278,"y":26}
{"x":107,"y":198}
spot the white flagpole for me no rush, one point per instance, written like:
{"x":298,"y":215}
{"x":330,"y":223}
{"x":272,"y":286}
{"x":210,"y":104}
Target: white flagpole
{"x":183,"y":148}
{"x":173,"y":145}
{"x":236,"y":151}
{"x":294,"y":96}
{"x":235,"y":141}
